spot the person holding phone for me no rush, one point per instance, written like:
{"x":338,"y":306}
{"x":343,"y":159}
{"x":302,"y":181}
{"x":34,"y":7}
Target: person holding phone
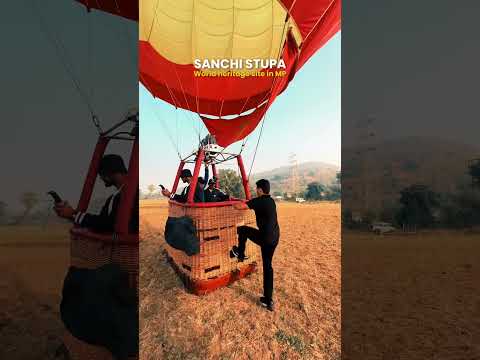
{"x":186,"y":177}
{"x":113,"y":173}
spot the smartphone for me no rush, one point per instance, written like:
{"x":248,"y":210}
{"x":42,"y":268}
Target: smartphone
{"x":57,"y":199}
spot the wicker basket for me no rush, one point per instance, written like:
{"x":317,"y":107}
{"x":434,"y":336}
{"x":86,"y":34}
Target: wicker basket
{"x":89,"y":250}
{"x":217,"y":230}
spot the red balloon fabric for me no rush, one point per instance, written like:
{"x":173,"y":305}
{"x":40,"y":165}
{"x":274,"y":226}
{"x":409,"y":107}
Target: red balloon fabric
{"x":124,"y":8}
{"x":227,"y":132}
{"x":315,"y":21}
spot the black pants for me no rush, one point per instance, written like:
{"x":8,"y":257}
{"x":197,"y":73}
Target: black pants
{"x":268,"y":248}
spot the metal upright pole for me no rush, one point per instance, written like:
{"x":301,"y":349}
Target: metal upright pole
{"x":91,"y":177}
{"x":248,"y":196}
{"x":196,"y":171}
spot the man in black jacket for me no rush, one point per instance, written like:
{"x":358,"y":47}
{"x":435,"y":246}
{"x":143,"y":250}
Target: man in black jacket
{"x":113,"y":172}
{"x":186,"y":176}
{"x":212,"y":194}
{"x":267,"y":236}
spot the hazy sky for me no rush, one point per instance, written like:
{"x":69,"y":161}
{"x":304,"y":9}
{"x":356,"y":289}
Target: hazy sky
{"x":412,"y":64}
{"x":305,"y":120}
{"x":47,"y":135}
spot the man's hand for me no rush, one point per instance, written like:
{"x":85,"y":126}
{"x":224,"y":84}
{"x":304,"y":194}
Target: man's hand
{"x":166,"y":193}
{"x":64,"y":210}
{"x":240,"y":206}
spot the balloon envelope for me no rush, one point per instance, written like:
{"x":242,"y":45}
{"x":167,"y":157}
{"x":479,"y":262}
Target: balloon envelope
{"x":124,"y":8}
{"x":172,"y":37}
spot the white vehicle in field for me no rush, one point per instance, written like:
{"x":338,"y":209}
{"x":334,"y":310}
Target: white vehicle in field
{"x":300,"y":200}
{"x":382,"y":228}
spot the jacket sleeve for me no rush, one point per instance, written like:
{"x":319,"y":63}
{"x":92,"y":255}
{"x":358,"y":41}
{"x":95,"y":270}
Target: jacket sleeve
{"x":102,"y":222}
{"x":206,"y":177}
{"x":180,"y":198}
{"x":199,"y":195}
{"x":252,"y":203}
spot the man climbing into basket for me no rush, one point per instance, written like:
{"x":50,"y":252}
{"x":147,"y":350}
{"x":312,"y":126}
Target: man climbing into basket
{"x":267,"y":236}
{"x":113,"y":172}
{"x":186,"y":176}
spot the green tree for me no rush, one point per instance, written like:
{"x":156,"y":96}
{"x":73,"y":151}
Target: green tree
{"x":333,"y":193}
{"x":151,"y":189}
{"x":417,"y":206}
{"x":347,"y":218}
{"x":474,"y":171}
{"x":314,"y":191}
{"x":462,"y":209}
{"x":29,"y":200}
{"x":231,"y":183}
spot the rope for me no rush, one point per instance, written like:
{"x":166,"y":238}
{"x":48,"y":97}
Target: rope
{"x":170,"y":137}
{"x":270,"y":92}
{"x":126,"y":36}
{"x":89,"y":53}
{"x":62,"y":55}
{"x":153,"y":20}
{"x":256,"y":147}
{"x":186,"y":102}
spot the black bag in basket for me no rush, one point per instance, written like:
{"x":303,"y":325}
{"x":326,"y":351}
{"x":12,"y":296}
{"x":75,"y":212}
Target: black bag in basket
{"x":180,"y":233}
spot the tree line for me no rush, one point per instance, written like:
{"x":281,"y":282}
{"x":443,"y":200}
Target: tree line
{"x":231,"y":183}
{"x":420,"y":207}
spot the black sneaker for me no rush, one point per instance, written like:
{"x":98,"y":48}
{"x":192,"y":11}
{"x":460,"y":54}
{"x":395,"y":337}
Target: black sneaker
{"x":267,"y":304}
{"x":235,"y":253}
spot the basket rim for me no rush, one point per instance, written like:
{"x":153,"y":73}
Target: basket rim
{"x":108,"y":238}
{"x":208,"y":204}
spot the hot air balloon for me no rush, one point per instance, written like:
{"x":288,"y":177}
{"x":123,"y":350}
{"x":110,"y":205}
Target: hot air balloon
{"x":174,"y":39}
{"x":91,"y":249}
{"x":86,"y":246}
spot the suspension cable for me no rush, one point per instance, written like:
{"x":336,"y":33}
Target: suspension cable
{"x":270,"y":94}
{"x":64,"y":60}
{"x":169,"y":135}
{"x":256,"y":146}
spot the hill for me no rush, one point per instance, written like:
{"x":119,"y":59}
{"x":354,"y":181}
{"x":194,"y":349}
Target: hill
{"x":393,"y":165}
{"x":280,"y":178}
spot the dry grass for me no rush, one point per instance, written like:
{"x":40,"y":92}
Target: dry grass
{"x":411,"y":297}
{"x":228,"y":323}
{"x":33,"y":264}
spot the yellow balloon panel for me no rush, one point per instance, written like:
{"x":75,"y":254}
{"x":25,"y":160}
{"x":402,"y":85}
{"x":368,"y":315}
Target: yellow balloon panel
{"x":185,"y":30}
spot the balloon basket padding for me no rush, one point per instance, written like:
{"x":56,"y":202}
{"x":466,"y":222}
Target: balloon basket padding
{"x":80,"y":350}
{"x":90,"y":250}
{"x":216,"y":228}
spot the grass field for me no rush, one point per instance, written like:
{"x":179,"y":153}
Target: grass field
{"x":228,"y":323}
{"x":411,"y":297}
{"x":33,"y":263}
